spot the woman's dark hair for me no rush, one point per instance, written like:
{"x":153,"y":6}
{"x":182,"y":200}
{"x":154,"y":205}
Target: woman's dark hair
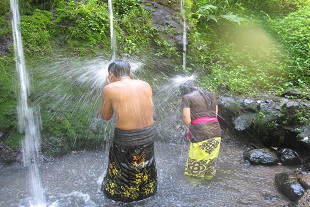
{"x":187,"y":87}
{"x":119,"y":68}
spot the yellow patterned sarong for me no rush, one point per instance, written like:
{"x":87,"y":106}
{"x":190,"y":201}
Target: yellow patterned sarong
{"x":202,"y":158}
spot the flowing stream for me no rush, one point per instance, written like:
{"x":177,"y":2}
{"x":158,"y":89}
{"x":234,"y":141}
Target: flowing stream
{"x":75,"y":180}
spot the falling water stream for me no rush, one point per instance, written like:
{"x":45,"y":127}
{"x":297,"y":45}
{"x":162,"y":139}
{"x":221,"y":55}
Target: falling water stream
{"x":184,"y":34}
{"x":28,"y":124}
{"x":112,"y":33}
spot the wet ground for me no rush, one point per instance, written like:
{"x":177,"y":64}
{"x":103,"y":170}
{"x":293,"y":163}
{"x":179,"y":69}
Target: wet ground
{"x":74,"y":180}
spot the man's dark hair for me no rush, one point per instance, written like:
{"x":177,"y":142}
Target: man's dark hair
{"x":119,"y":68}
{"x":187,"y":87}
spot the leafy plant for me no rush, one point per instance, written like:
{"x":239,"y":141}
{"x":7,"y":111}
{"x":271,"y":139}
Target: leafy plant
{"x":8,"y":102}
{"x":84,"y":27}
{"x":136,"y":36}
{"x":4,"y":6}
{"x":293,"y":33}
{"x":37,"y":32}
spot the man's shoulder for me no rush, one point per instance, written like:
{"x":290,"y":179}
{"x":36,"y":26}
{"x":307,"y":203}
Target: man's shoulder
{"x":119,"y":84}
{"x":141,"y":82}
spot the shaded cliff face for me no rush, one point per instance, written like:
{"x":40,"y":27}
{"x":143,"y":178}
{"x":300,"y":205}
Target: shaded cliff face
{"x":274,"y":121}
{"x":167,"y":20}
{"x":5,"y":43}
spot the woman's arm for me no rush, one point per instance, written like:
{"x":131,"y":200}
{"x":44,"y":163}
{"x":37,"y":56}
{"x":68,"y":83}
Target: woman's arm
{"x":187,"y":116}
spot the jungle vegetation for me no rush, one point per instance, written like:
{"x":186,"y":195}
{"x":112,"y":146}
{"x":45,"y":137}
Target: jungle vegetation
{"x":235,"y":47}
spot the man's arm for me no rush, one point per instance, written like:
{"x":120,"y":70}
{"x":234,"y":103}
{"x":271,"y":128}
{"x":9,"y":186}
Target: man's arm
{"x":106,"y":110}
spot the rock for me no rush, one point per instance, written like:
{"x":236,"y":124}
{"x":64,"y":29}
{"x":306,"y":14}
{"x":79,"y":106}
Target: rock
{"x":304,"y":135}
{"x":307,"y":164}
{"x":288,"y":184}
{"x":7,"y":155}
{"x":304,"y":180}
{"x":250,"y":105}
{"x":244,"y":121}
{"x":166,"y":16}
{"x":303,"y":201}
{"x":278,"y":121}
{"x":261,"y":156}
{"x":289,"y":157}
{"x":6,"y":42}
{"x":295,"y":93}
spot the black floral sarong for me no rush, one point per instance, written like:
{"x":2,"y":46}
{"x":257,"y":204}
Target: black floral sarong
{"x":131,"y":174}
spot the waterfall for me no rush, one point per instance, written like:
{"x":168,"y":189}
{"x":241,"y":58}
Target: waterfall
{"x":112,"y":34}
{"x":28,"y":124}
{"x":184,"y":34}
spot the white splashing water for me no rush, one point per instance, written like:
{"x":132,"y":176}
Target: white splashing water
{"x":64,"y":80}
{"x":28,"y":124}
{"x":178,"y":80}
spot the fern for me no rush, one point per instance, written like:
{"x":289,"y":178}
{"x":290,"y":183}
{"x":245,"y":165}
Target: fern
{"x":233,"y":18}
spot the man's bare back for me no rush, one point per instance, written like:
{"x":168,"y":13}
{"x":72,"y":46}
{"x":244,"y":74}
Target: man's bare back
{"x":130,"y":100}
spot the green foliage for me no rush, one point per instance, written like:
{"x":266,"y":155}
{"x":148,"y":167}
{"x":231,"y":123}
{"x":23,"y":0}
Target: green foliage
{"x":123,"y":7}
{"x":64,"y":131}
{"x":215,"y":10}
{"x":37,"y":32}
{"x":264,"y":122}
{"x":4,"y":7}
{"x":8,"y":102}
{"x":294,"y":115}
{"x":275,"y":7}
{"x":243,"y":59}
{"x":5,"y":26}
{"x":136,"y":36}
{"x":84,"y":27}
{"x":13,"y":139}
{"x":293,"y":33}
{"x":8,"y":115}
{"x":26,"y":7}
{"x":165,"y":49}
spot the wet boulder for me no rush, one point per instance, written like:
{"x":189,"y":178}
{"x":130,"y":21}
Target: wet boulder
{"x":303,"y":201}
{"x":304,"y":134}
{"x":289,"y":157}
{"x":304,"y":180}
{"x":289,"y":185}
{"x":8,"y":155}
{"x":275,"y":121}
{"x":244,"y":121}
{"x":307,"y":164}
{"x":261,"y":156}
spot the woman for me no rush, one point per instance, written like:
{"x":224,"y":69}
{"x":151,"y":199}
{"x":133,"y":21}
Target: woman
{"x":200,"y":114}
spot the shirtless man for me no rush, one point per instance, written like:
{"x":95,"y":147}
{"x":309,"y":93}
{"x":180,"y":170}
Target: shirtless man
{"x":131,"y":174}
{"x":129,"y":99}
